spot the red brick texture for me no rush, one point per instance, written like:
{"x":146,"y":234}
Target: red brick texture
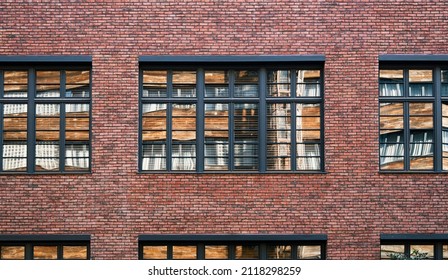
{"x":352,"y":202}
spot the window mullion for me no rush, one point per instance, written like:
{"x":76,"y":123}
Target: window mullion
{"x":169,"y":120}
{"x":2,"y":108}
{"x":31,"y":122}
{"x":293,"y":136}
{"x":262,"y":120}
{"x":62,"y":124}
{"x":406,"y":124}
{"x":200,"y":120}
{"x":438,"y":138}
{"x":231,"y":148}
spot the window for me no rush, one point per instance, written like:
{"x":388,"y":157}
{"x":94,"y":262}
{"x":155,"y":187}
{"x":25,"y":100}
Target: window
{"x":413,"y":118}
{"x":236,"y":118}
{"x":45,"y":119}
{"x":239,"y":247}
{"x":414,"y":246}
{"x":44,"y":247}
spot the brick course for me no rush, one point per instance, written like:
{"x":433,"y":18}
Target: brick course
{"x":352,"y":202}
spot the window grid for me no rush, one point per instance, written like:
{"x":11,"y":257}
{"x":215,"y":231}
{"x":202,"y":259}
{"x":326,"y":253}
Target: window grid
{"x":45,"y":122}
{"x":231,"y":108}
{"x":44,"y":250}
{"x":413,"y":128}
{"x":413,"y":249}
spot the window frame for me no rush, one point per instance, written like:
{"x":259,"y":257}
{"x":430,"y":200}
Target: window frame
{"x":30,"y":241}
{"x":410,"y":62}
{"x":259,"y":63}
{"x":262,"y":241}
{"x":407,"y":240}
{"x":31,"y":65}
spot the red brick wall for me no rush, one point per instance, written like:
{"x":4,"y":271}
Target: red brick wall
{"x":352,"y":202}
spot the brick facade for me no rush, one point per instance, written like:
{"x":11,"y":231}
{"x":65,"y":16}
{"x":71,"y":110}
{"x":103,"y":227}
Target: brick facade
{"x":352,"y":202}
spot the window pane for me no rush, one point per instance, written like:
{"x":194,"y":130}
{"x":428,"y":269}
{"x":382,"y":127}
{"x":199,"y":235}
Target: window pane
{"x":418,"y":76}
{"x":77,"y":157}
{"x":155,"y":77}
{"x":74,"y":252}
{"x":12,"y":252}
{"x":279,"y":252}
{"x":445,"y":252}
{"x":308,"y":76}
{"x":392,"y":163}
{"x":246,"y":83}
{"x":420,"y":90}
{"x":155,"y":252}
{"x":246,"y":252}
{"x":309,"y":252}
{"x":14,"y":122}
{"x":47,"y":156}
{"x":14,"y":156}
{"x":184,"y":252}
{"x":392,"y":252}
{"x":154,"y":157}
{"x":15,"y":84}
{"x":246,"y":76}
{"x":48,"y":83}
{"x":184,"y":157}
{"x":391,"y":90}
{"x":394,"y":76}
{"x":422,"y":251}
{"x":279,"y":77}
{"x":77,"y":77}
{"x":216,"y":252}
{"x":45,"y":252}
{"x":391,"y":123}
{"x":184,"y":77}
{"x":420,"y":109}
{"x":391,"y":109}
{"x":216,"y":77}
{"x":422,"y":163}
{"x":246,"y":90}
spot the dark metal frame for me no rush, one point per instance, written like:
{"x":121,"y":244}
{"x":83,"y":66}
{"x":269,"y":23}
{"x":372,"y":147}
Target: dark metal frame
{"x":437,"y":240}
{"x":258,"y":63}
{"x":263,"y":241}
{"x":31,"y":64}
{"x":29,"y":241}
{"x":436,"y":63}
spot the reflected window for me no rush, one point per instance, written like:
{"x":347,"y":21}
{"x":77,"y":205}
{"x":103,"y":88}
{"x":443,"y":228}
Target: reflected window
{"x":155,"y":252}
{"x":184,"y":252}
{"x":55,"y":115}
{"x":414,"y":248}
{"x":410,"y":139}
{"x":209,"y":120}
{"x":216,"y":252}
{"x":12,"y":252}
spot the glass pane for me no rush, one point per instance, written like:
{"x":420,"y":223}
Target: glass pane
{"x":417,"y":76}
{"x":391,"y":123}
{"x":77,"y":91}
{"x":15,"y":77}
{"x":393,"y":76}
{"x":14,"y":156}
{"x":246,"y":76}
{"x":279,"y":76}
{"x":309,"y":252}
{"x":279,"y":252}
{"x":154,"y":157}
{"x":246,"y":252}
{"x":216,"y":156}
{"x":12,"y":252}
{"x":391,"y":109}
{"x":391,"y":90}
{"x":279,"y":90}
{"x":216,"y":77}
{"x":183,"y":157}
{"x":279,"y":163}
{"x":216,"y":91}
{"x":308,"y":90}
{"x":76,"y":123}
{"x":445,"y":252}
{"x":48,"y":77}
{"x":154,"y":90}
{"x":184,"y":252}
{"x":418,"y":109}
{"x":422,"y":252}
{"x":184,"y":91}
{"x":421,"y":122}
{"x":308,"y":110}
{"x":444,"y":76}
{"x":308,"y":123}
{"x":184,"y":77}
{"x":47,"y":156}
{"x":444,"y":90}
{"x":392,"y":252}
{"x":308,"y":163}
{"x":308,"y":76}
{"x":420,"y":90}
{"x":74,"y":252}
{"x":155,"y":252}
{"x":246,"y":90}
{"x":15,"y":91}
{"x":45,"y":252}
{"x":155,"y":77}
{"x":308,"y":150}
{"x":392,"y":163}
{"x":216,"y":252}
{"x":77,"y":77}
{"x":422,"y":163}
{"x":77,"y":157}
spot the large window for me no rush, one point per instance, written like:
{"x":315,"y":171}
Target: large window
{"x":413,"y":118}
{"x":45,"y":119}
{"x":224,"y":247}
{"x":45,"y":247}
{"x":414,"y":246}
{"x":212,"y":119}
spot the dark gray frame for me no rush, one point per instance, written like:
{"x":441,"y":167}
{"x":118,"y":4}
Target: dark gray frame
{"x":438,"y":240}
{"x":232,"y":240}
{"x":31,"y":64}
{"x":436,"y":63}
{"x":258,"y":63}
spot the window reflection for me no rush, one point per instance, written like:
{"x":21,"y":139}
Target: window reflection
{"x":184,"y":252}
{"x":45,"y":252}
{"x":74,"y":252}
{"x":155,"y":252}
{"x":246,"y":252}
{"x":309,"y":252}
{"x":12,"y":252}
{"x":392,"y":251}
{"x":279,"y":252}
{"x":216,"y":252}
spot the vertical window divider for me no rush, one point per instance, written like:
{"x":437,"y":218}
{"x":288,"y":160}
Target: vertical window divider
{"x":200,"y":120}
{"x":169,"y":126}
{"x":231,"y":249}
{"x":2,"y":84}
{"x":60,"y":252}
{"x":200,"y":254}
{"x":140,"y":123}
{"x":293,"y":106}
{"x":169,"y":252}
{"x":438,"y":138}
{"x":263,"y":253}
{"x":294,"y":251}
{"x":29,"y":251}
{"x":231,"y":142}
{"x":406,"y":121}
{"x":262,"y":120}
{"x":31,"y":121}
{"x":62,"y":123}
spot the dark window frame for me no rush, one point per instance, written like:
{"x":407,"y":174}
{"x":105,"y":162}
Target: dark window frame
{"x":260,"y":64}
{"x":262,"y":241}
{"x":31,"y":65}
{"x":406,"y":63}
{"x":30,"y":241}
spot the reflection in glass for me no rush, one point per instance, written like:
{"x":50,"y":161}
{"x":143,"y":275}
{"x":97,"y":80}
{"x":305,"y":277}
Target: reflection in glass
{"x":48,"y":83}
{"x":279,"y":252}
{"x":246,"y":252}
{"x":246,"y":83}
{"x":392,"y":251}
{"x":184,"y":252}
{"x":45,"y":252}
{"x":391,"y":83}
{"x":216,"y":252}
{"x":154,"y":83}
{"x":420,"y":83}
{"x":77,"y":157}
{"x":309,"y":252}
{"x":445,"y":252}
{"x":74,"y":252}
{"x":154,"y":157}
{"x":47,"y":156}
{"x":155,"y":252}
{"x":15,"y":84}
{"x":184,"y":83}
{"x":426,"y":250}
{"x":12,"y":252}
